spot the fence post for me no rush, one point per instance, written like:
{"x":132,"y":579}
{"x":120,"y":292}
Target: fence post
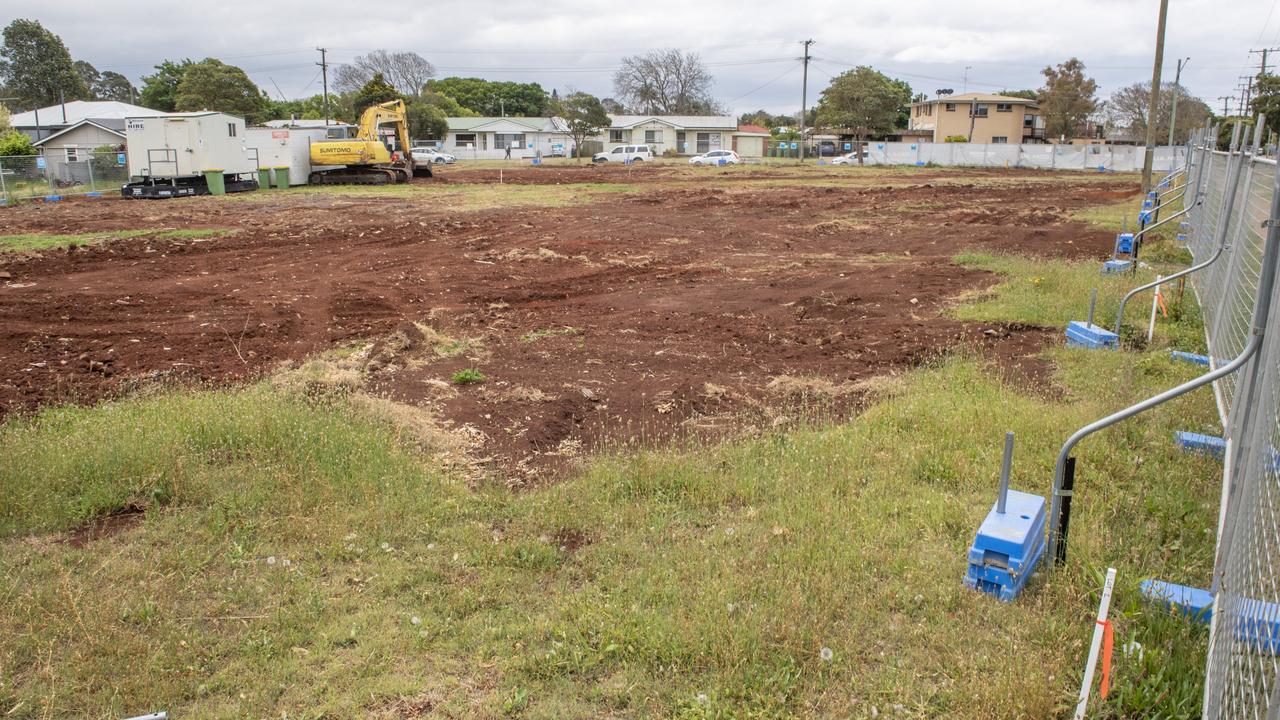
{"x":89,"y":165}
{"x":4,"y":189}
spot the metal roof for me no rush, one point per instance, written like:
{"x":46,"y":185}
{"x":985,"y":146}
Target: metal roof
{"x":111,"y":126}
{"x":719,"y":122}
{"x":78,"y":110}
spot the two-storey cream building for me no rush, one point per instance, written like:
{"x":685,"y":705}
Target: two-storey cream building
{"x":980,"y":118}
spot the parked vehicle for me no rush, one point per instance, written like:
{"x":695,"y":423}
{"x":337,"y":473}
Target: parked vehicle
{"x":624,"y":153}
{"x":716,"y":157}
{"x":850,"y":158}
{"x":423,"y":155}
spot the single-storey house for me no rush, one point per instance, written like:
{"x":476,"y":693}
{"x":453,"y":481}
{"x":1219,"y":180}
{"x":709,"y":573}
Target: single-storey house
{"x":41,"y":123}
{"x":489,"y":138}
{"x":680,"y":134}
{"x":74,"y":143}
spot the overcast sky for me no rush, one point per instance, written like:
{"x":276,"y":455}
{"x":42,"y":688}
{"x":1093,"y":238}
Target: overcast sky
{"x":751,"y":47}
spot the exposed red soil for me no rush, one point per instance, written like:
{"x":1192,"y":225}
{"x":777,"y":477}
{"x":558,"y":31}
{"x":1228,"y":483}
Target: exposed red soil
{"x":641,"y":316}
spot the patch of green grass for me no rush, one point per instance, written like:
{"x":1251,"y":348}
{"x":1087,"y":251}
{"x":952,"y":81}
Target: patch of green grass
{"x":1051,"y":294}
{"x":31,"y":242}
{"x":539,"y":334}
{"x":295,"y":558}
{"x":468,"y":376}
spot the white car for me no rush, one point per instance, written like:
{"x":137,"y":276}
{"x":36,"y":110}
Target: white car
{"x":850,"y":158}
{"x":624,"y":153}
{"x":431,"y":155}
{"x":716,"y":157}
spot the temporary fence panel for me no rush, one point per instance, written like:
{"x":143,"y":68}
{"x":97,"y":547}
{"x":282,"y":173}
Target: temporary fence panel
{"x":1235,"y":206}
{"x":25,"y":177}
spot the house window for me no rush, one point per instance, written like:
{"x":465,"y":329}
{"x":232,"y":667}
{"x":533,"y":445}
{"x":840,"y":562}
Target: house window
{"x":652,"y":137}
{"x":615,"y":136}
{"x":1004,"y":107}
{"x":73,"y":154}
{"x":231,"y":129}
{"x":951,"y":107}
{"x":464,"y":140}
{"x":508,"y":140}
{"x":1000,"y":139}
{"x":980,"y":110}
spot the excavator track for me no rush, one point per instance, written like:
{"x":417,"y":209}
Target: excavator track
{"x":358,"y":176}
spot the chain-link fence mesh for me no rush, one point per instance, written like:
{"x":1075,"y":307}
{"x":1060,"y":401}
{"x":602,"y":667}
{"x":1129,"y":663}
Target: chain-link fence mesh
{"x":1117,"y":158}
{"x":1232,"y":226}
{"x":24,"y":177}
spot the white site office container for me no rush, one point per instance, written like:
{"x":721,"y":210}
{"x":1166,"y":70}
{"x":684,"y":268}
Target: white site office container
{"x":291,"y":146}
{"x":187,"y":144}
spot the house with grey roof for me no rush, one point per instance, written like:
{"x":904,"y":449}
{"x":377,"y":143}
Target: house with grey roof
{"x":42,"y":122}
{"x":490,"y":138}
{"x":679,"y":134}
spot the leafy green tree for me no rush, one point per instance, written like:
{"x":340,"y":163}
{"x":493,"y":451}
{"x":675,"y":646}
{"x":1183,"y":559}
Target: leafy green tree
{"x":485,"y":97}
{"x":89,"y":75}
{"x":904,"y":110}
{"x":4,"y":120}
{"x":160,"y":90}
{"x":426,"y":122}
{"x":580,"y":116}
{"x":213,"y":85}
{"x":36,"y":68}
{"x":1067,"y":99}
{"x":1267,"y":100}
{"x":16,"y":143}
{"x":113,"y":86}
{"x":377,"y":90}
{"x":311,"y":108}
{"x":864,"y":101}
{"x":448,"y":106}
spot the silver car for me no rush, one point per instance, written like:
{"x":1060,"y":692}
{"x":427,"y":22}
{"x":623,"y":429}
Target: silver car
{"x":423,"y":155}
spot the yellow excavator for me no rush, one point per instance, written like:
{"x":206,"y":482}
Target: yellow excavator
{"x":365,"y":159}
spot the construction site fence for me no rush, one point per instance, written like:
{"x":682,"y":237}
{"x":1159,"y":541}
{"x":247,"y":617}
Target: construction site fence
{"x":1234,"y":199}
{"x":1104,"y":158}
{"x":26,"y":177}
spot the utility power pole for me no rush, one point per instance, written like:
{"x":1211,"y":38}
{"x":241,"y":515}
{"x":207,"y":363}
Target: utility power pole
{"x":324,"y":71}
{"x":1263,"y":52}
{"x":1149,"y":156}
{"x":1226,"y":99}
{"x":1173,"y":113}
{"x":804,"y":95}
{"x":965,"y":87}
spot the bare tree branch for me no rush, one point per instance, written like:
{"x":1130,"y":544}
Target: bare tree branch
{"x":665,"y":82}
{"x":407,"y":72}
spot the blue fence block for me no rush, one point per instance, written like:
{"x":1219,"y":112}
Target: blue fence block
{"x":1189,"y":357}
{"x":1085,"y":335}
{"x":1124,"y":243}
{"x":1192,"y":602}
{"x":95,"y":193}
{"x":52,"y":198}
{"x":1007,"y":547}
{"x":1116,"y":266}
{"x":1203,"y":444}
{"x":1144,"y":216}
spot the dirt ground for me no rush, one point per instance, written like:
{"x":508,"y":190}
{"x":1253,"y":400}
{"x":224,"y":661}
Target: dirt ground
{"x":681,"y":307}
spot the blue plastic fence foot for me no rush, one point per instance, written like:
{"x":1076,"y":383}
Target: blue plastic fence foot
{"x":52,"y":198}
{"x":1086,"y":335}
{"x":1007,"y":547}
{"x":1116,"y":266}
{"x":1124,"y":243}
{"x":1195,"y":603}
{"x":1203,"y":444}
{"x":1189,"y":357}
{"x":93,"y":194}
